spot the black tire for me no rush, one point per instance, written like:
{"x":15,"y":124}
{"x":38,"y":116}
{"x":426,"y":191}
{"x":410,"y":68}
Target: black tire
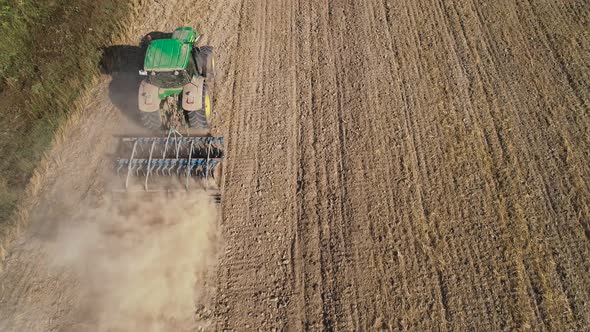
{"x":151,"y":120}
{"x":198,"y":118}
{"x":206,"y":62}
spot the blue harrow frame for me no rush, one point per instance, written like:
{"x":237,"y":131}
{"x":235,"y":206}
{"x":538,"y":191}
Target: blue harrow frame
{"x":186,"y":158}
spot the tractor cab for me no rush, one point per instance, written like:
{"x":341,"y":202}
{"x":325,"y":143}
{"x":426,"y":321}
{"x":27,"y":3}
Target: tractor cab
{"x":172,"y":62}
{"x":169,"y":63}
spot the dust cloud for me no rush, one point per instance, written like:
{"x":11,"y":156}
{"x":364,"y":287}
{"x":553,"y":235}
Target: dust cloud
{"x":139,"y":261}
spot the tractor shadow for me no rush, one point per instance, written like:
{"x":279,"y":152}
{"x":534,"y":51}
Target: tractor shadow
{"x":122,"y":63}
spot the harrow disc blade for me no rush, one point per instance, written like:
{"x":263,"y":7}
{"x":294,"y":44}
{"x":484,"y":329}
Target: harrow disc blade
{"x":185,"y":162}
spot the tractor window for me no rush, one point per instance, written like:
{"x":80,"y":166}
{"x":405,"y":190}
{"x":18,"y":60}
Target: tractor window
{"x":169,"y":79}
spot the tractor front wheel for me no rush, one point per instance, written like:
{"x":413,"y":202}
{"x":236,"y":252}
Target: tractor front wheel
{"x":207,"y":62}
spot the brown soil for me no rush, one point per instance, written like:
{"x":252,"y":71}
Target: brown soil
{"x":391,"y":165}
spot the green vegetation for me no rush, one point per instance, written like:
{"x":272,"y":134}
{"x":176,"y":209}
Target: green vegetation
{"x":49,"y":52}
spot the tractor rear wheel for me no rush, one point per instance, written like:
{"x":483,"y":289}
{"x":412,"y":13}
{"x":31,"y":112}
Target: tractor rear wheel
{"x":151,"y":120}
{"x":207,"y":62}
{"x":202,"y":118}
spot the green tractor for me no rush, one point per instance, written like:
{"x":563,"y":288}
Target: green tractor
{"x":176,"y":90}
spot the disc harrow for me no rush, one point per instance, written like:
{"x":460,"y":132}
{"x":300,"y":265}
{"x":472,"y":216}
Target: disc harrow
{"x":187,"y":159}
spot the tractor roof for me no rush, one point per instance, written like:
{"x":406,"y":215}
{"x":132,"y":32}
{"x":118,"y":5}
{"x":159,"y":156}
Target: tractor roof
{"x":167,"y":55}
{"x":171,"y":54}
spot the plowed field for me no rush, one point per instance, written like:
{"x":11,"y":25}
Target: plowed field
{"x":391,"y":165}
